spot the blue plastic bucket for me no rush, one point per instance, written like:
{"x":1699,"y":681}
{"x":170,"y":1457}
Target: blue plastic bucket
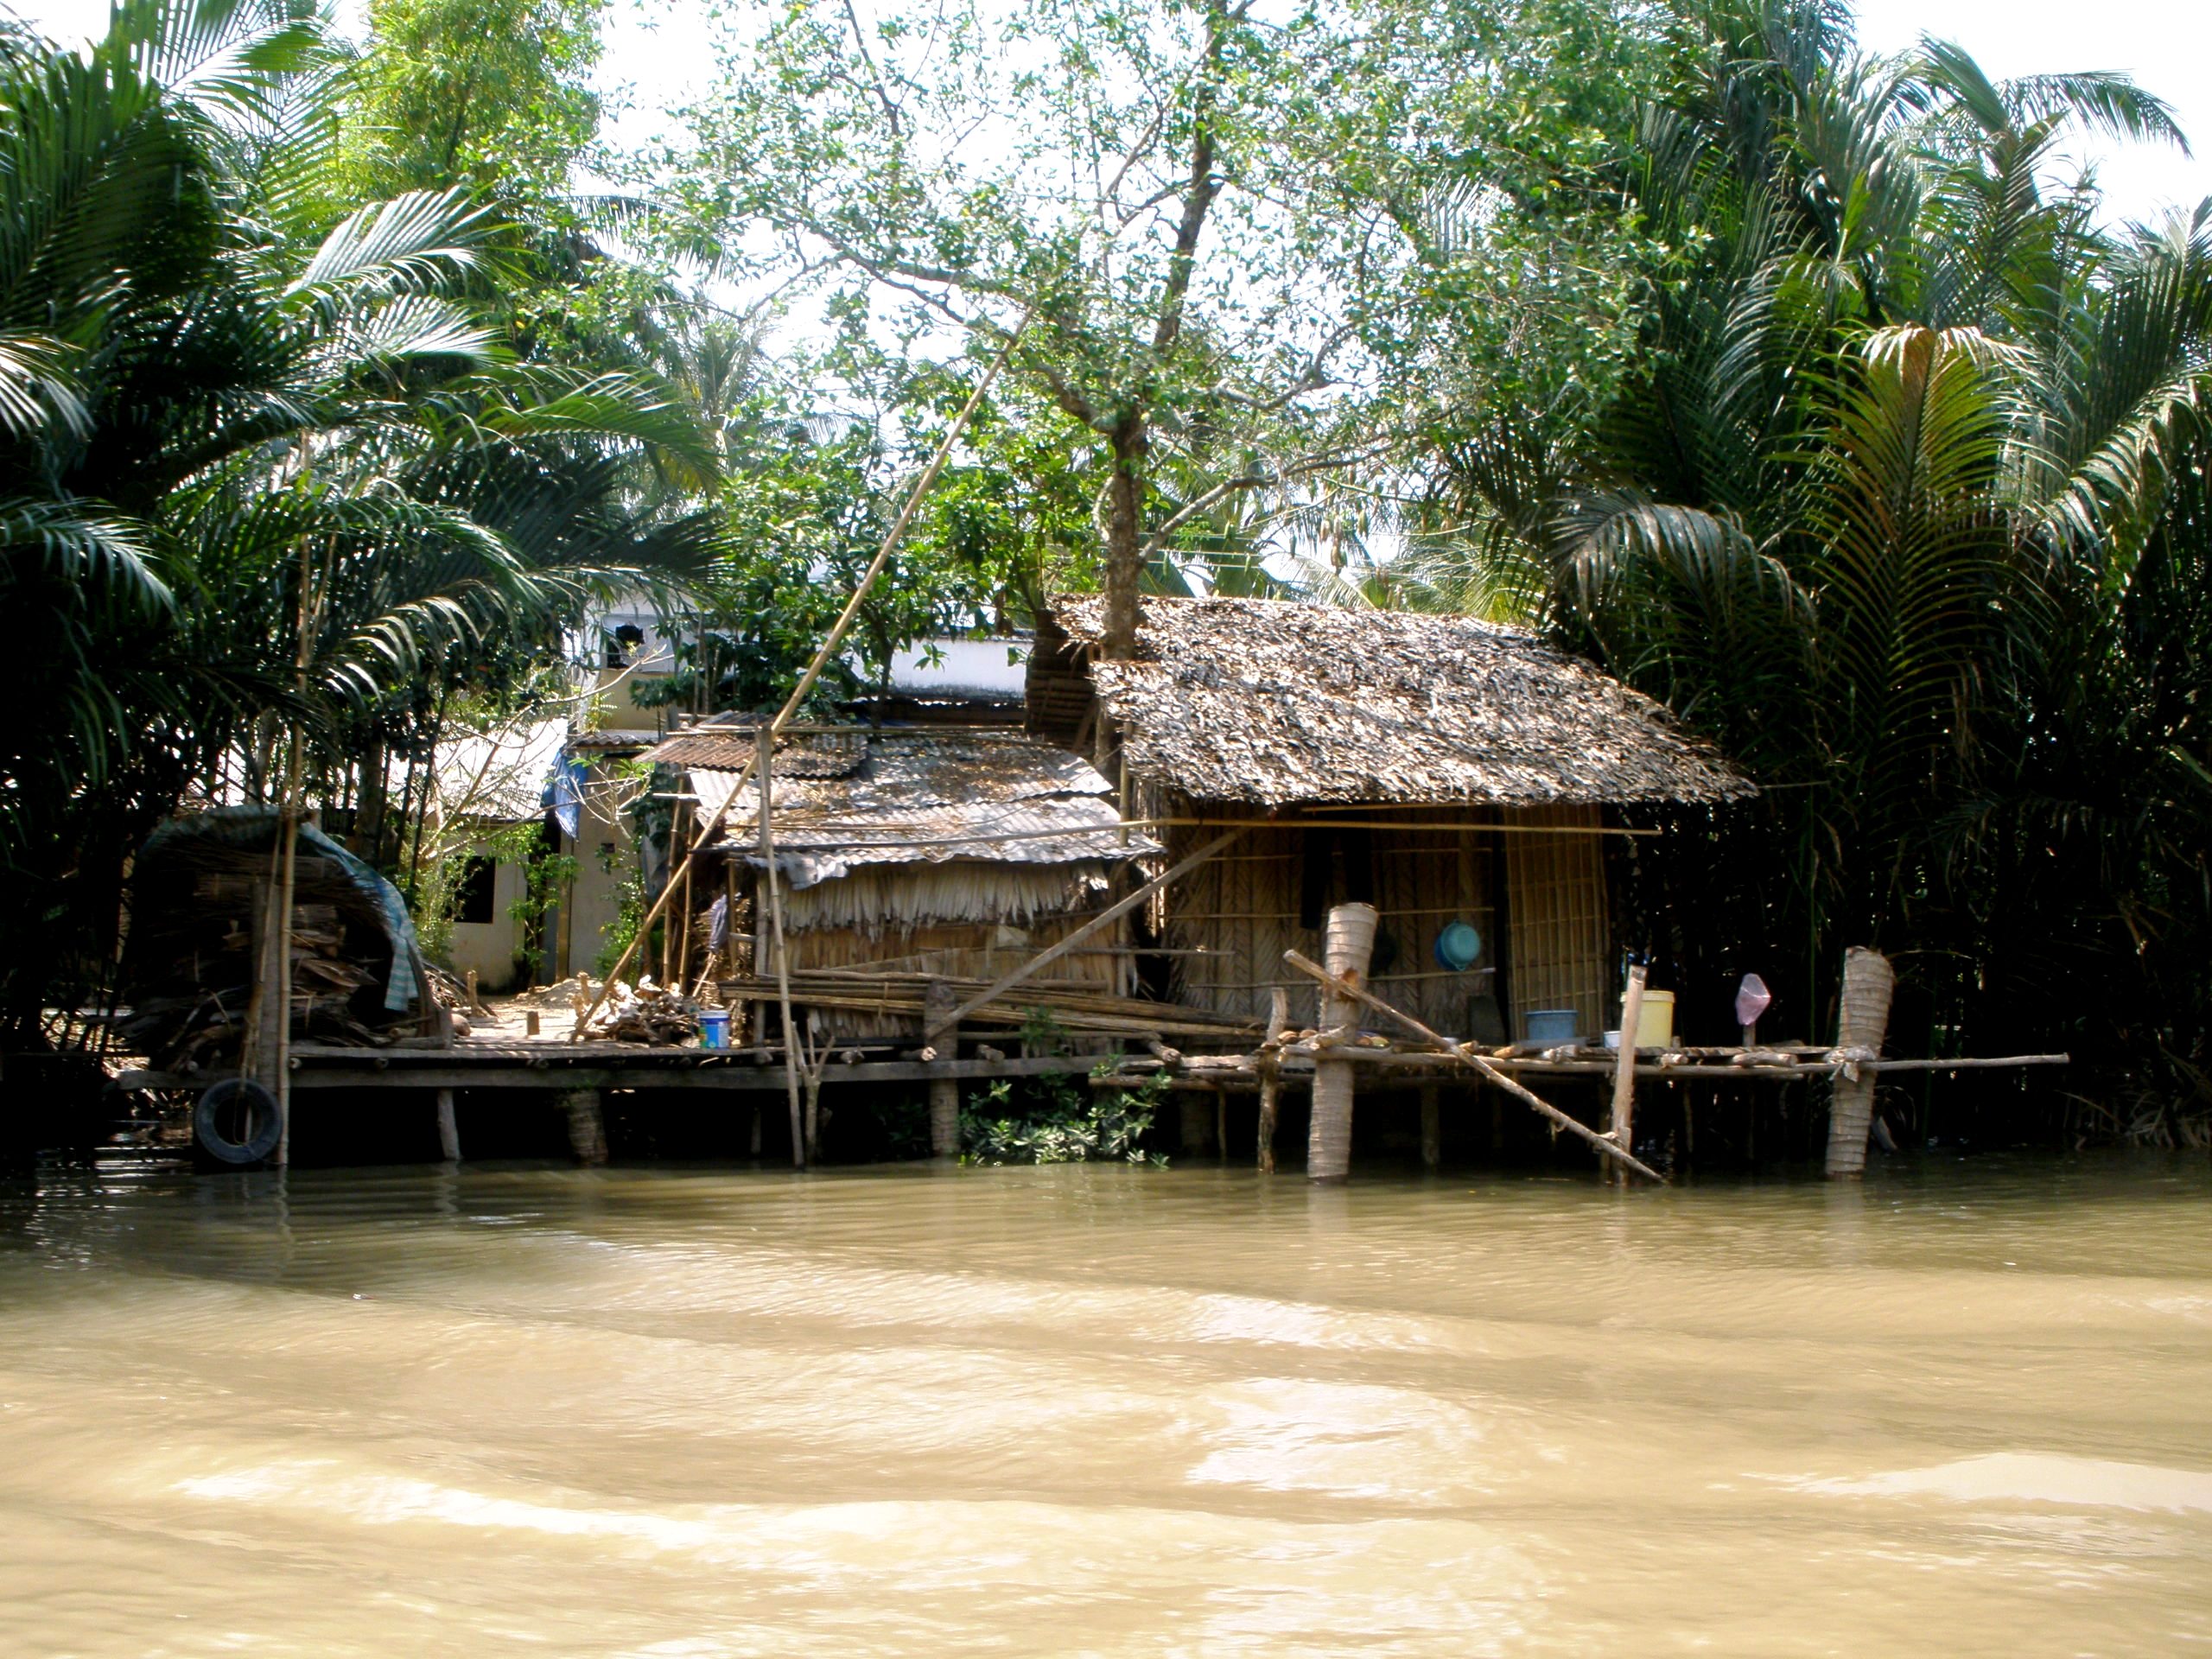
{"x":713,"y":1027}
{"x":1553,"y":1026}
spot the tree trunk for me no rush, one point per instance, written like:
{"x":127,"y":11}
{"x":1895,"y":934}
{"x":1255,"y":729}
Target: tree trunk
{"x":1124,"y":555}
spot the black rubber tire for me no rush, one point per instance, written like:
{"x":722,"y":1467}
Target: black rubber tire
{"x":217,"y":1113}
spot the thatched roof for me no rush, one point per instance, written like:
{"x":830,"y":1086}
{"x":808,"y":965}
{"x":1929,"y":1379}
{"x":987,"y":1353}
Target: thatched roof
{"x":1272,"y":702}
{"x":915,"y":797}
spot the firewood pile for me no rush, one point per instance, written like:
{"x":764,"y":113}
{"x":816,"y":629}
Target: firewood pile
{"x":194,"y":964}
{"x":645,"y":1012}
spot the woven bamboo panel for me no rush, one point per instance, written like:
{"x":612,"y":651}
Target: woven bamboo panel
{"x":1241,"y":909}
{"x":1560,"y":935}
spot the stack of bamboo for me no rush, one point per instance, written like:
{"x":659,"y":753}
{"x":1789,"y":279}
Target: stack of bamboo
{"x":1074,"y":1007}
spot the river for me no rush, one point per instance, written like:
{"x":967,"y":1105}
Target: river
{"x":1966,"y":1409}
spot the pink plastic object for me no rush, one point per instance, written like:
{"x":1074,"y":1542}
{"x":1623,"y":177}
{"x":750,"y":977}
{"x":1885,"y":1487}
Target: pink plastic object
{"x":1752,"y":999}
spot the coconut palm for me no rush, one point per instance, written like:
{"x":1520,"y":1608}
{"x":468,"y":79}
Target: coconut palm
{"x":1891,"y":502}
{"x":252,"y":484}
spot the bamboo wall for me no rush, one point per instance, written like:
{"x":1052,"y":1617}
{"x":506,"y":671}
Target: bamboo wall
{"x":1562,"y":934}
{"x":1240,"y":911}
{"x":1235,"y":916}
{"x":893,"y":920}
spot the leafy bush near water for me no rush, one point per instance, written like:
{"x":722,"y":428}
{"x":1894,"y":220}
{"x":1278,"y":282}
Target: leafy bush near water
{"x":1056,"y":1120}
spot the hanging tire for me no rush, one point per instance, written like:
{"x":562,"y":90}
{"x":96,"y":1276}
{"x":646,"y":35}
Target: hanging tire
{"x":237,"y":1122}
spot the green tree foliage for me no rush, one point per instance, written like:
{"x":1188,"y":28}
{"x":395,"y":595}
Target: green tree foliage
{"x":1898,"y":496}
{"x":257,"y":486}
{"x":1128,"y":186}
{"x":493,"y":95}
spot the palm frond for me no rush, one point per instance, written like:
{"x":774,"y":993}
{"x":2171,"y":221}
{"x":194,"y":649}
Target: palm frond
{"x":414,"y":242}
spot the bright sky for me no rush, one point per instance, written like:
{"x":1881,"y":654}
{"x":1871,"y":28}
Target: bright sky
{"x":659,"y":55}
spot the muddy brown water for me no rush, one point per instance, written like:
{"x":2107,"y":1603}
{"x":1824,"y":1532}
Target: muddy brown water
{"x":1966,"y":1409}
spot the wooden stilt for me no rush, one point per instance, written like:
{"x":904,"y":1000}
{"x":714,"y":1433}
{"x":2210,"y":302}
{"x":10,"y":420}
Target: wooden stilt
{"x":1220,"y":1122}
{"x":1270,"y":1109}
{"x":1622,"y":1127}
{"x":944,"y":1092}
{"x":1862,"y":1021}
{"x":1195,"y":1133}
{"x":448,"y":1130}
{"x":1344,"y":986}
{"x":1432,"y":1128}
{"x":1328,"y":1143}
{"x":587,"y":1127}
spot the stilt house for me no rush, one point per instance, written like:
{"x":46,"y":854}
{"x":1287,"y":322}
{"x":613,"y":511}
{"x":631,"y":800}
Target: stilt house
{"x":1454,"y":773}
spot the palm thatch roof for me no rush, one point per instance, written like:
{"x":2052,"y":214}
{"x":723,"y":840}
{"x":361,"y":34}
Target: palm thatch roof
{"x":1274,"y":703}
{"x":842,"y":802}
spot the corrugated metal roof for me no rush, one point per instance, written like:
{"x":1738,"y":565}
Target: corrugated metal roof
{"x":812,"y":754}
{"x":933,"y":798}
{"x":614,"y":740}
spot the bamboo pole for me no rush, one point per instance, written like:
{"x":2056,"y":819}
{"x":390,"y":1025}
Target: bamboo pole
{"x":764,"y":773}
{"x":684,"y":937}
{"x":1113,"y":912}
{"x":1622,"y":1126}
{"x":830,"y":642}
{"x":1476,"y":1062}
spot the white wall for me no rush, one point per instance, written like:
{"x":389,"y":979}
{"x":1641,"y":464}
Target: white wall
{"x":489,"y":947}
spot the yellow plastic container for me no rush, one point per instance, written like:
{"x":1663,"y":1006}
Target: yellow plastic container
{"x":1654,"y":1024}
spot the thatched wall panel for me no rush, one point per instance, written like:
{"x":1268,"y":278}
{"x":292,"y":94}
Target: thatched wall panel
{"x":1561,"y":934}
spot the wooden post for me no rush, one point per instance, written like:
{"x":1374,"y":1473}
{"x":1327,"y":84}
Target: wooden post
{"x":937,"y":999}
{"x":586,"y":1128}
{"x":1862,"y":1021}
{"x":1198,"y":1121}
{"x":763,"y":770}
{"x":1432,"y":1128}
{"x":1271,"y":1076}
{"x":448,"y":1131}
{"x":1621,"y":1128}
{"x":1344,"y":985}
{"x":1220,"y":1122}
{"x":259,"y":1052}
{"x":1328,"y":1143}
{"x":817,"y":1057}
